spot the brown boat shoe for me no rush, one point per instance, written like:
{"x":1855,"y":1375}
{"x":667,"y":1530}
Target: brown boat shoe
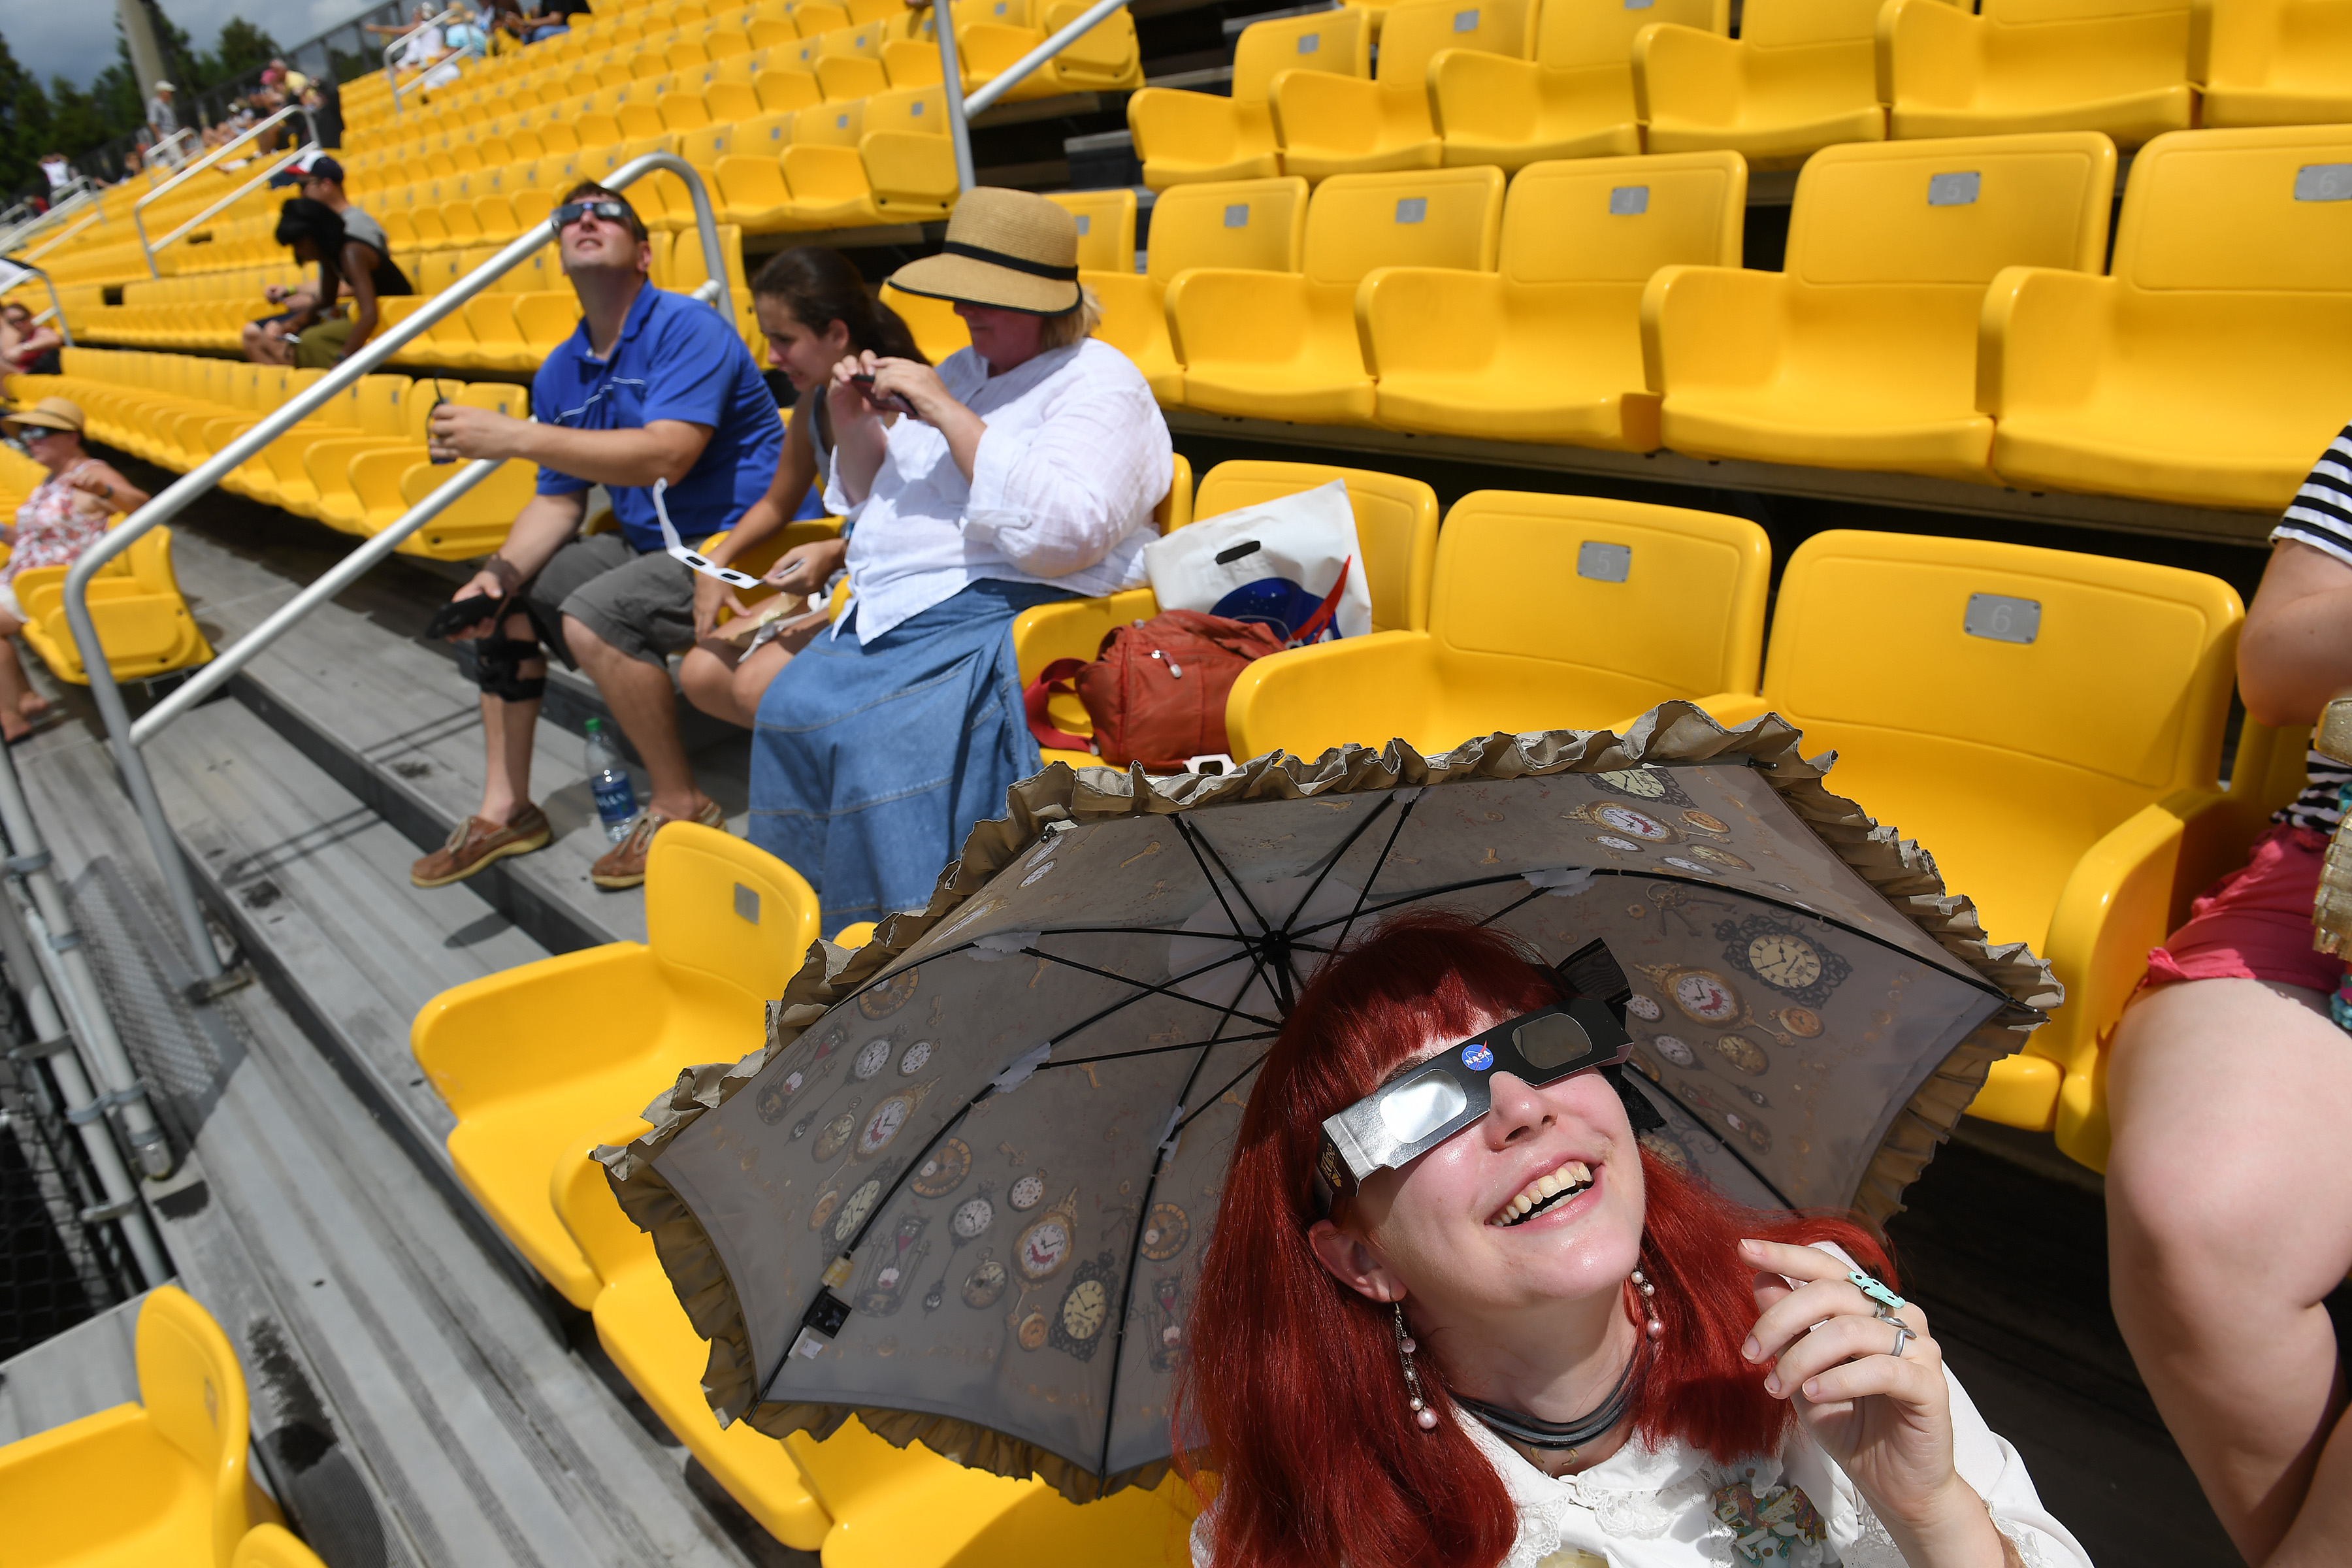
{"x":475,"y":842}
{"x":624,"y":865}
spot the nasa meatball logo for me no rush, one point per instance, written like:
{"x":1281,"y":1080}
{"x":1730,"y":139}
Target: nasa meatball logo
{"x":1289,"y":611}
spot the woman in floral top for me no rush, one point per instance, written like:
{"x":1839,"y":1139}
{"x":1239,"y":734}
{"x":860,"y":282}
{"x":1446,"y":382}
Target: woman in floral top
{"x":1538,"y":1343}
{"x":64,"y":516}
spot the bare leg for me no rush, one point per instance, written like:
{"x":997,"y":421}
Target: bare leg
{"x":752,"y":676}
{"x":2324,"y":1525}
{"x":510,"y":727}
{"x":18,"y":700}
{"x":2229,"y":1218}
{"x":641,"y":698}
{"x":706,"y":676}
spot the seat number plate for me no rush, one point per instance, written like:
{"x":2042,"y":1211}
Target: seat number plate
{"x":2002,"y":618}
{"x":1604,"y":563}
{"x":747,"y":902}
{"x":2324,"y":183}
{"x":1629,"y":201}
{"x":1953,"y":190}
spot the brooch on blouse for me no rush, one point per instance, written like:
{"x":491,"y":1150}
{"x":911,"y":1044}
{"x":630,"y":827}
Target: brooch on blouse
{"x":1768,"y":1530}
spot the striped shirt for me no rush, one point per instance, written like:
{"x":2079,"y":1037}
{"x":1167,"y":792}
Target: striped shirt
{"x":2321,"y":516}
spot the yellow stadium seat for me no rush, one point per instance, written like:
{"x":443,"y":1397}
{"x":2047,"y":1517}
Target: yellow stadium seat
{"x":1340,"y":125}
{"x":2120,"y":67}
{"x":273,"y":1546}
{"x":1546,"y":612}
{"x":1548,"y":347}
{"x":2272,"y":62}
{"x":939,"y":330}
{"x":1800,"y":76}
{"x":1862,"y":352}
{"x":1105,"y":57}
{"x":1106,"y":221}
{"x":163,"y":1480}
{"x":1184,"y":136}
{"x":143,"y":622}
{"x":1574,"y":100}
{"x":2068,"y":817}
{"x":472,"y":526}
{"x":534,"y":1059}
{"x":1256,"y":225}
{"x":1283,"y":346}
{"x":1396,"y":528}
{"x":2188,"y":374}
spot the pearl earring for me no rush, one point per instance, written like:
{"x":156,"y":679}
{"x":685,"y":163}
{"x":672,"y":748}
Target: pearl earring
{"x":1649,"y":1310}
{"x":1421,"y":1412}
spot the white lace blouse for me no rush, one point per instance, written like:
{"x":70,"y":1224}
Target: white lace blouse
{"x":1673,"y":1507}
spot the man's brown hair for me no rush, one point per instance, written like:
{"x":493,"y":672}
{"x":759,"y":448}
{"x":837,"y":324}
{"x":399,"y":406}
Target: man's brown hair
{"x":589,"y":191}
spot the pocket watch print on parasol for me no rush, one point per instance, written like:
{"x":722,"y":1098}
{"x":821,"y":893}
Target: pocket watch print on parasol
{"x":1035,"y":1163}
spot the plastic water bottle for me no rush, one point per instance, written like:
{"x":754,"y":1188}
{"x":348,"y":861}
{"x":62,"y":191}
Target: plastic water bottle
{"x":616,"y":798}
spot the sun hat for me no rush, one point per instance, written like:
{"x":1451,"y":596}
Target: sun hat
{"x":1010,"y":249}
{"x":48,"y":414}
{"x":164,"y":87}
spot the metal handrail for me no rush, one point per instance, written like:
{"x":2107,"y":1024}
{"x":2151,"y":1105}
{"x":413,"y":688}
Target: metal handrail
{"x":285,"y":161}
{"x":390,"y":72}
{"x":139,"y":207}
{"x":470,"y":52}
{"x":125,"y":736}
{"x":19,"y":233}
{"x":59,"y":239}
{"x":157,"y":146}
{"x":57,"y":306}
{"x":961,"y":108}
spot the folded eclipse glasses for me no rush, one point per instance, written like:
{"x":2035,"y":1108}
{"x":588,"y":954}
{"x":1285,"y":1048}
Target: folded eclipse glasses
{"x":1423,"y":1107}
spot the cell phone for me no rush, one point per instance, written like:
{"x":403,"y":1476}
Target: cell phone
{"x":428,"y":427}
{"x":458,"y":614}
{"x":888,"y":400}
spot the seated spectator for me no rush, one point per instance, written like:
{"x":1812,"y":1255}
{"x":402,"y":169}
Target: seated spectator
{"x":554,"y":20}
{"x":1423,"y":1368}
{"x":425,"y":44}
{"x":2229,"y":1201}
{"x":652,"y":387}
{"x":64,"y":515}
{"x":1026,"y":473}
{"x":352,"y":253}
{"x":723,"y":676}
{"x":26,"y":347}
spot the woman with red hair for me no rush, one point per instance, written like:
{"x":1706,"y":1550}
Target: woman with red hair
{"x":1525,"y":1339}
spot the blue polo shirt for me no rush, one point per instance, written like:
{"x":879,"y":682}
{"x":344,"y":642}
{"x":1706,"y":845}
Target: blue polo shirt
{"x":677,"y":359}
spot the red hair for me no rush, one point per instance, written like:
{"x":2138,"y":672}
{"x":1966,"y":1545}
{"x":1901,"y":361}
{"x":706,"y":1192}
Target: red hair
{"x":1291,"y":1382}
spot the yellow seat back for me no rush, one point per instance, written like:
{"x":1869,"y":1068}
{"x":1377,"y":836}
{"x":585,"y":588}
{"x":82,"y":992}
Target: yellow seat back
{"x":1106,"y":221}
{"x":273,"y":1546}
{"x":1433,"y":218}
{"x":920,"y":110}
{"x":725,"y":912}
{"x":1337,"y":41}
{"x":1951,"y":212}
{"x":376,"y":403}
{"x":1617,"y":220}
{"x":1259,"y":224}
{"x":1586,"y":34}
{"x":1416,"y":31}
{"x":2005,"y":705}
{"x":1622,"y":604}
{"x":195,"y":1396}
{"x":1396,"y":526}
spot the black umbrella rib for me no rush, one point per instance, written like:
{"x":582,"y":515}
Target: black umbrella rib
{"x":1332,"y":860}
{"x":1146,"y":988}
{"x":1726,"y":1144}
{"x":1403,"y":815}
{"x":1219,"y":1096}
{"x":1162,"y":1050}
{"x":1799,"y":911}
{"x":1192,"y":843}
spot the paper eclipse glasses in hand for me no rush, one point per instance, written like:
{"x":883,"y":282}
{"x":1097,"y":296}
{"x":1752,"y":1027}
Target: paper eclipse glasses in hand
{"x":676,"y":550}
{"x":1424,"y":1106}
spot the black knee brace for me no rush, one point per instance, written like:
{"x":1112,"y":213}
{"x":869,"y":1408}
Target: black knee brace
{"x":497,"y":668}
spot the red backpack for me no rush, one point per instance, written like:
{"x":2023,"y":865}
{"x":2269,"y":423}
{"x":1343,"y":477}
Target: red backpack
{"x":1156,"y":689}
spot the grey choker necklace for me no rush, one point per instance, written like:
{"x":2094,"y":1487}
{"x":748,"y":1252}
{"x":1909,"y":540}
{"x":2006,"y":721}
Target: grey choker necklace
{"x":1558,"y":1435}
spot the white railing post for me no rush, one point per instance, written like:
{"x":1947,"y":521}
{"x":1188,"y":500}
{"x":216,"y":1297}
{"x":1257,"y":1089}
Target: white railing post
{"x":391,"y":71}
{"x":127,"y":738}
{"x":952,"y":90}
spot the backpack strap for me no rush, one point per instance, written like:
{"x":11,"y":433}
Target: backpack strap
{"x":1052,"y":681}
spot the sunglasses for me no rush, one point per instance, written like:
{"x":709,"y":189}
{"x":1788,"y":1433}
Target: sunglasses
{"x":675,"y":547}
{"x":569,"y":213}
{"x":1411,"y":1114}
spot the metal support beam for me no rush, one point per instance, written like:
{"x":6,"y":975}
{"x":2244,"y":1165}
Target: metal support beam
{"x":952,"y":90}
{"x":184,"y":491}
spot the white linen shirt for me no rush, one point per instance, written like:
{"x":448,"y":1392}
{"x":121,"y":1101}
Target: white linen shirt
{"x":1074,"y":457}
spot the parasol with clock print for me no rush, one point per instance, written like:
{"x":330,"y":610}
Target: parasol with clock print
{"x":1098,"y":977}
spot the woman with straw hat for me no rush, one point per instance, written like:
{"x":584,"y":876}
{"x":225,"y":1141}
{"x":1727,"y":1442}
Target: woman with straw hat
{"x":64,"y":516}
{"x":1024,"y":469}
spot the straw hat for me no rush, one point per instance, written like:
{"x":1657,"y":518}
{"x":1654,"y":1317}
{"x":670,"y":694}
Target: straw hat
{"x":48,"y":414}
{"x":1006,"y":249}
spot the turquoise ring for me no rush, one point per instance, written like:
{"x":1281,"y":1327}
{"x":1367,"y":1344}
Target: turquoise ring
{"x":1887,"y":1301}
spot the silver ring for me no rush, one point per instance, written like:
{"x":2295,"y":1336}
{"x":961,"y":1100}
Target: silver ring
{"x":1903,"y":1336}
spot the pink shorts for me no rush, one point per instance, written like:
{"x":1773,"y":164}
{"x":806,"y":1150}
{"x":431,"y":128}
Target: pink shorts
{"x":2255,"y":922}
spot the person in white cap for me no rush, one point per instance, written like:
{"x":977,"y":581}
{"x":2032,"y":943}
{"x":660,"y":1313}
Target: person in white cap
{"x":163,"y":121}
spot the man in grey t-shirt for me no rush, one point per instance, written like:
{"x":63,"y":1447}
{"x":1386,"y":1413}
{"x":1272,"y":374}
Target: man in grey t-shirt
{"x":163,"y":121}
{"x":323,"y":182}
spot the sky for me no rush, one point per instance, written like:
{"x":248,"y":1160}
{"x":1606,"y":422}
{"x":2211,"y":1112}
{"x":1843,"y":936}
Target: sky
{"x":76,"y":39}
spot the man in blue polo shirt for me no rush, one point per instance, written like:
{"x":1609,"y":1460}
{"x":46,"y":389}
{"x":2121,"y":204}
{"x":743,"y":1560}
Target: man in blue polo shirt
{"x":652,"y":386}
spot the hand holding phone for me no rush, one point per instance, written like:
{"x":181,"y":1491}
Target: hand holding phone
{"x":462,"y":614}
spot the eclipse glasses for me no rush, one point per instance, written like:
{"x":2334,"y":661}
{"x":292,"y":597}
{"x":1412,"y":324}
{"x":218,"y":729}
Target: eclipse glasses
{"x":1427,"y":1104}
{"x":675,"y":548}
{"x":605,"y":208}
